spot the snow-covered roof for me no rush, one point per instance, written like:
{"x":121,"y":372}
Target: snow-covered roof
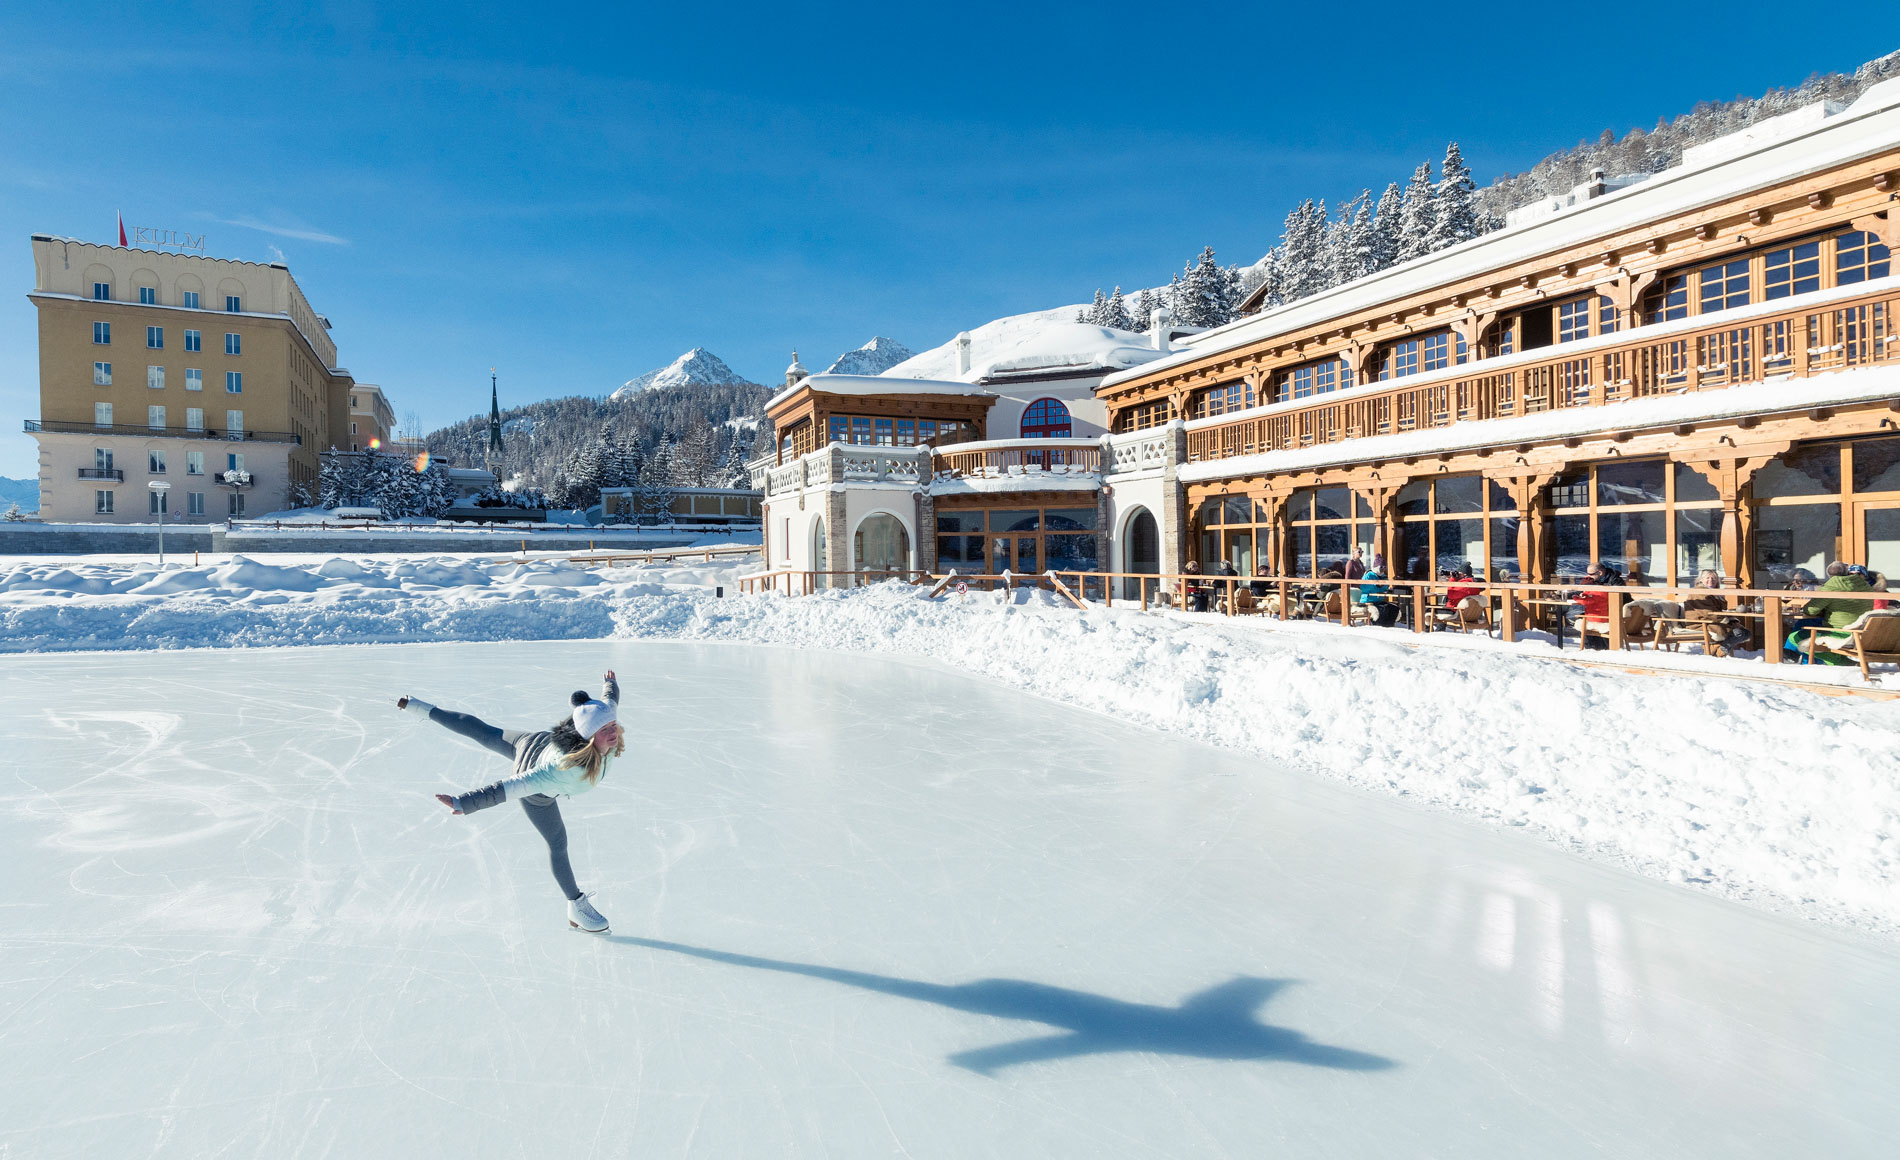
{"x":1067,"y":346}
{"x":877,"y":385}
{"x":1801,"y":145}
{"x":1831,"y":389}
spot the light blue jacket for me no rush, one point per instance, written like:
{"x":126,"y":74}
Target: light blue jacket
{"x":538,"y":768}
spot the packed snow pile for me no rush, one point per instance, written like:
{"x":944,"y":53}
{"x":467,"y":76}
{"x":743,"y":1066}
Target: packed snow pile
{"x":698,"y":367}
{"x":987,"y":342}
{"x":1751,"y":788}
{"x":75,"y":606}
{"x":873,"y":358}
{"x":1069,"y":346}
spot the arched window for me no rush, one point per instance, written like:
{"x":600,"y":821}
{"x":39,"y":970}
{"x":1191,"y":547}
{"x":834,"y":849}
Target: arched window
{"x":1046,"y":419}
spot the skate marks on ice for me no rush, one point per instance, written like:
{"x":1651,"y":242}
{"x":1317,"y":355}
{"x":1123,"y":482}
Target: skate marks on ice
{"x":1219,"y":1023}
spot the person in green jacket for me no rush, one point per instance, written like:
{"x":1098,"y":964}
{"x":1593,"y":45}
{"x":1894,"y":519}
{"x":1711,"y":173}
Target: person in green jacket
{"x":1835,"y":614}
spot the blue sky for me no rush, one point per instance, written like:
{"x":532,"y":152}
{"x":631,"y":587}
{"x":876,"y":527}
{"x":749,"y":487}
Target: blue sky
{"x":578,"y":197}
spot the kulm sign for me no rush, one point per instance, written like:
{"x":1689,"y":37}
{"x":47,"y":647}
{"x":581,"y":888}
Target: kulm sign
{"x":174,"y":239}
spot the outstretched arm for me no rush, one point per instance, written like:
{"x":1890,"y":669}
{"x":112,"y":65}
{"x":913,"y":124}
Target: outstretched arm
{"x":609,"y":688}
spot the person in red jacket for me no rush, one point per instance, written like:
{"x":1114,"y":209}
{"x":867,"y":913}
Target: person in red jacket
{"x":1463,"y":584}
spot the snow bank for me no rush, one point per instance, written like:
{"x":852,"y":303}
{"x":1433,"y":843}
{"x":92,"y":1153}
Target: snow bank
{"x":1753,"y":789}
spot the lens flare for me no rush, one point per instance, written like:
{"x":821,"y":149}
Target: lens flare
{"x":422,"y":463}
{"x":375,"y":444}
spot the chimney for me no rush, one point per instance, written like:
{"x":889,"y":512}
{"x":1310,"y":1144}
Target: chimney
{"x":963,"y":354}
{"x":1158,"y":327}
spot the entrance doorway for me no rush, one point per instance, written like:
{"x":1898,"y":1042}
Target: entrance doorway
{"x":1142,"y":555}
{"x":1015,"y":555}
{"x":881,"y":544}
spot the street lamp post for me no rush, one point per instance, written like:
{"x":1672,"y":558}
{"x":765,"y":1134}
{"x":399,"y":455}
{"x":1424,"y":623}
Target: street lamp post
{"x":159,"y":488}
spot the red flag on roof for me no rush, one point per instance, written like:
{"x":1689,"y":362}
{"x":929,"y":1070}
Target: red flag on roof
{"x":122,"y":244}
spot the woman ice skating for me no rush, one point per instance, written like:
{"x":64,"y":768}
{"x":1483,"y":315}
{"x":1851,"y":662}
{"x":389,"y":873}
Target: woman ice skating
{"x":569,"y":758}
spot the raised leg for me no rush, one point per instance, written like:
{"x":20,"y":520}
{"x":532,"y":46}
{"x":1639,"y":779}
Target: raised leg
{"x":476,"y":730}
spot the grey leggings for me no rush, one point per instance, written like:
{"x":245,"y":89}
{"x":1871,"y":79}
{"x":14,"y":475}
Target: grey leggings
{"x":541,"y":809}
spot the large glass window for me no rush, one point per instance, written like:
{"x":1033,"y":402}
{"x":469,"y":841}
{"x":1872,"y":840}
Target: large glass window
{"x":194,"y":340}
{"x":1327,"y":524}
{"x":191,"y":300}
{"x":1668,"y":299}
{"x":102,"y":374}
{"x":1651,"y":520}
{"x":1026,"y":541}
{"x":155,"y":338}
{"x":102,"y":334}
{"x":1456,"y":521}
{"x":1399,"y":359}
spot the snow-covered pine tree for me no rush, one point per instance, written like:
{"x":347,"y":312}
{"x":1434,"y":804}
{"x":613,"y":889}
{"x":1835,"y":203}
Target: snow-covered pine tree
{"x":1418,"y":211}
{"x":1270,"y":279}
{"x":1200,"y":293}
{"x":1116,"y":313}
{"x":732,"y":469}
{"x":1097,"y":310}
{"x":561,"y":492}
{"x":696,"y":457}
{"x":632,"y":460}
{"x":1384,"y":240}
{"x":1303,"y":266}
{"x":658,"y":482}
{"x":14,"y":515}
{"x":1352,"y":240}
{"x":1145,"y":303}
{"x":1456,"y":217}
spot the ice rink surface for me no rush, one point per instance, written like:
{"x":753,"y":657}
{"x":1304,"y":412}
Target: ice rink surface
{"x":861,"y":908}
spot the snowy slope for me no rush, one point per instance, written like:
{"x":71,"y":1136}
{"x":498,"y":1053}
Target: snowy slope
{"x":697,"y":367}
{"x":873,"y":358}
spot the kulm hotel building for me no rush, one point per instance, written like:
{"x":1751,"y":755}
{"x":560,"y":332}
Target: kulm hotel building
{"x":1697,"y":368}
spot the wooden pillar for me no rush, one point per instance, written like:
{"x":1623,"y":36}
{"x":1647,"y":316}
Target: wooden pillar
{"x":1730,"y":471}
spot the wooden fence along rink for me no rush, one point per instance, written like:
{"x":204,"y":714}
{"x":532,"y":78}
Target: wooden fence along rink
{"x":1172,"y":589}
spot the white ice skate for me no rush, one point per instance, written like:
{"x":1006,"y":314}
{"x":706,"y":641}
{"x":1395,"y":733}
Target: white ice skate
{"x":581,"y":915}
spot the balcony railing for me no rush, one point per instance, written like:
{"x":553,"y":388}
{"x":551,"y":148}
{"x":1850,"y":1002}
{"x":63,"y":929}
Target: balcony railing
{"x":112,"y":473}
{"x":997,"y":458}
{"x":1752,"y":344}
{"x":140,"y":429}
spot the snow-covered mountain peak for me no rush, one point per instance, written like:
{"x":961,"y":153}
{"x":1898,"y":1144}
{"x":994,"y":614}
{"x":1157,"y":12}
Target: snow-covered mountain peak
{"x":873,"y":358}
{"x":698,"y":367}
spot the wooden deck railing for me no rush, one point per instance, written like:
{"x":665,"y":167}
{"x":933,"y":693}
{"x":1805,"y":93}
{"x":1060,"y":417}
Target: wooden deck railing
{"x":1028,"y":455}
{"x":1665,"y":359}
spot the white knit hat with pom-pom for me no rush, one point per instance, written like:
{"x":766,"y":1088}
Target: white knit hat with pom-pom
{"x":591,"y":716}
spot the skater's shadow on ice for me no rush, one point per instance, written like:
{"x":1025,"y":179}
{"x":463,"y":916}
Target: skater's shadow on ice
{"x":1218,"y":1023}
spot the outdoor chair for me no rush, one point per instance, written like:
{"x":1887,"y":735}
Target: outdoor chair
{"x":1638,"y":628}
{"x":1329,"y":611}
{"x":1874,"y":638}
{"x":1672,"y":633}
{"x":1472,"y":614}
{"x":1247,"y":604}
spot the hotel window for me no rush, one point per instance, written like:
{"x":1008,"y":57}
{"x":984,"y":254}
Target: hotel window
{"x":1573,"y":320}
{"x":907,"y":433}
{"x":148,"y":295}
{"x":102,"y":503}
{"x":1658,"y":518}
{"x":102,"y":291}
{"x":1668,"y":299}
{"x":195,"y":503}
{"x":1314,"y":379}
{"x":102,"y":334}
{"x":927,"y":431}
{"x":155,"y":461}
{"x":1792,"y":270}
{"x":155,"y":418}
{"x":233,"y":304}
{"x":233,"y":344}
{"x":155,"y":378}
{"x":1219,"y":400}
{"x":1439,"y":348}
{"x":1608,"y":316}
{"x":194,"y":379}
{"x":1456,"y":521}
{"x":102,"y":374}
{"x":102,"y":414}
{"x":352,"y":428}
{"x":191,"y":300}
{"x":1399,"y":360}
{"x":861,"y":429}
{"x":194,"y":340}
{"x":194,"y":463}
{"x":154,"y":338}
{"x":194,"y":418}
{"x":838,"y":429}
{"x":156,"y":504}
{"x":236,"y":503}
{"x":1142,"y":416}
{"x":234,"y":461}
{"x":1725,"y":286}
{"x":1858,"y":257}
{"x":885,"y":433}
{"x":234,"y":424}
{"x":102,"y":459}
{"x":234,"y":382}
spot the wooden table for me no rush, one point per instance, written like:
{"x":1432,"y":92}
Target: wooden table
{"x":1559,"y":632}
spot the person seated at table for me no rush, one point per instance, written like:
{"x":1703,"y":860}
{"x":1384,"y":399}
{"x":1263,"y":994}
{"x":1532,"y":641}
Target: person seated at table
{"x":1831,"y":614}
{"x":1377,"y":596}
{"x":1725,"y":632}
{"x":1260,"y":587}
{"x":1194,"y":591}
{"x":1462,"y":584}
{"x":1592,"y":602}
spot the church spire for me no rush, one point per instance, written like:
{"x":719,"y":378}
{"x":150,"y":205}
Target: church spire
{"x":494,"y":415}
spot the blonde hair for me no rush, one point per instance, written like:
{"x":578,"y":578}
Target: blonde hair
{"x":590,"y":760}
